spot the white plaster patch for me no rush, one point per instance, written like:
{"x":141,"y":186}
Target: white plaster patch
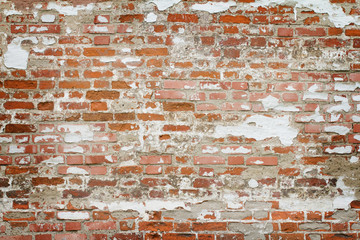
{"x":341,"y":130}
{"x":316,"y":117}
{"x":75,"y":149}
{"x":335,"y":12}
{"x":69,"y":10}
{"x":261,"y":127}
{"x":236,"y":150}
{"x":354,"y":159}
{"x":151,"y":17}
{"x":253,"y":183}
{"x":16,"y":149}
{"x":11,"y":12}
{"x":312,"y":94}
{"x":164,"y":4}
{"x":346,"y":86}
{"x":76,"y":170}
{"x":129,"y":61}
{"x":102,"y":19}
{"x":73,"y":215}
{"x":100,"y":29}
{"x":210,"y":149}
{"x":271,"y":102}
{"x":344,"y":106}
{"x":348,"y":195}
{"x":17,"y":57}
{"x":48,"y":18}
{"x":76,"y":133}
{"x":5,"y":139}
{"x":107,"y":59}
{"x":213,"y":7}
{"x":54,"y":161}
{"x":140,"y":207}
{"x":339,"y":150}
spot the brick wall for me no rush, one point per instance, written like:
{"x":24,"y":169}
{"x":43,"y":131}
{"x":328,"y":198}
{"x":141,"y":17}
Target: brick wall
{"x":180,"y":120}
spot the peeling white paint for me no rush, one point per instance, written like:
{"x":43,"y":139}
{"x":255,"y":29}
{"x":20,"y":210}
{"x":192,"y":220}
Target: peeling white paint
{"x":69,"y":10}
{"x":341,"y":130}
{"x":335,"y":12}
{"x":213,"y":7}
{"x":261,"y":127}
{"x":151,"y":17}
{"x":17,"y":57}
{"x":164,"y":4}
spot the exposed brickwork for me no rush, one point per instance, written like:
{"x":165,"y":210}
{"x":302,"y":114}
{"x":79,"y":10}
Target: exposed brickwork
{"x":180,"y":120}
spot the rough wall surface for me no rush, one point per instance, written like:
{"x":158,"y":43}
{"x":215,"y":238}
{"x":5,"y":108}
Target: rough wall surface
{"x":180,"y":119}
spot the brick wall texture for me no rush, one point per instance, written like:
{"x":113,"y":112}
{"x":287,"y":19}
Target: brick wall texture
{"x":180,"y":120}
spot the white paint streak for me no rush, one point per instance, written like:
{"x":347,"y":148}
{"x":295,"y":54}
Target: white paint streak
{"x":261,"y":127}
{"x":213,"y":7}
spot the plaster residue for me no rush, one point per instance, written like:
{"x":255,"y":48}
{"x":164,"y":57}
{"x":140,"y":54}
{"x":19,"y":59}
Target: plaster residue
{"x":16,"y":56}
{"x":68,"y":10}
{"x":346,"y":86}
{"x":140,"y":207}
{"x":261,"y":127}
{"x":271,"y":102}
{"x":213,"y":7}
{"x":335,"y":12}
{"x":348,"y":195}
{"x":341,"y":130}
{"x":344,"y":106}
{"x":313,"y":94}
{"x":151,"y":17}
{"x":164,"y":4}
{"x":316,"y":117}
